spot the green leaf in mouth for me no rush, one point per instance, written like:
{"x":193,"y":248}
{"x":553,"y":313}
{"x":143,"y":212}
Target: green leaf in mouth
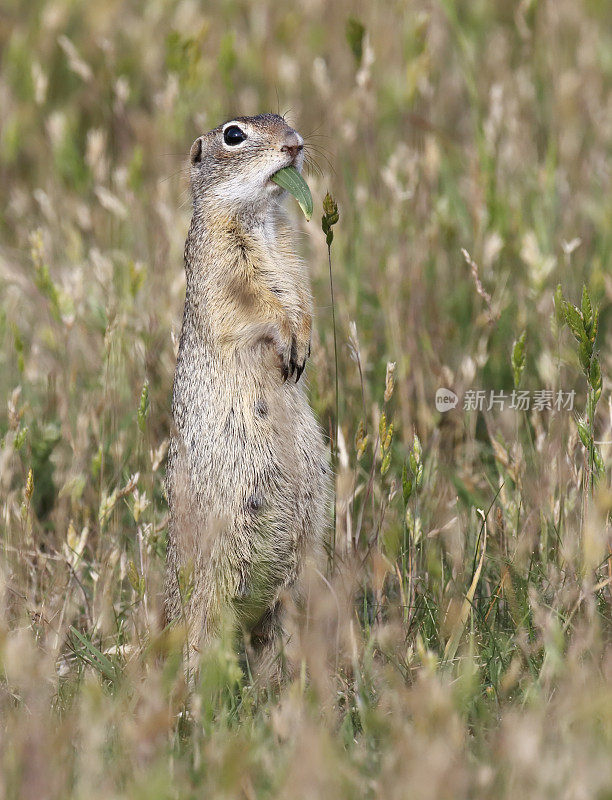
{"x":290,"y":179}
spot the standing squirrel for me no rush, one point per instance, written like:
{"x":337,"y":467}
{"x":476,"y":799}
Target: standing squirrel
{"x":247,"y":475}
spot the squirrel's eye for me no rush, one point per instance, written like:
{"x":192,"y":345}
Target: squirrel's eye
{"x":233,"y":135}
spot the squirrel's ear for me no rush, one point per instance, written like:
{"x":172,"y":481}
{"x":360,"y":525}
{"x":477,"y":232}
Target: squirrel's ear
{"x":195,"y":154}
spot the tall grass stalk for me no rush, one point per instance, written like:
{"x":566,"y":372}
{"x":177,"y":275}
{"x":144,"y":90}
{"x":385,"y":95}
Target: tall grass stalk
{"x":329,"y":219}
{"x":425,"y":661}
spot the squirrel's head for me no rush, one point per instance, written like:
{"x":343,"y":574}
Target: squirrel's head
{"x":231,"y":166}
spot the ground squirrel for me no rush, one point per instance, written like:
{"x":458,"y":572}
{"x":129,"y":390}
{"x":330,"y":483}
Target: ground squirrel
{"x":247,"y":474}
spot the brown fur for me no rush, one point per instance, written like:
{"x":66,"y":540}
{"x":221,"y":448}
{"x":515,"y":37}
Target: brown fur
{"x":247,"y":474}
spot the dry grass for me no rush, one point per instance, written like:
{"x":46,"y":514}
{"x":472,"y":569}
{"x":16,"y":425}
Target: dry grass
{"x":462,"y":646}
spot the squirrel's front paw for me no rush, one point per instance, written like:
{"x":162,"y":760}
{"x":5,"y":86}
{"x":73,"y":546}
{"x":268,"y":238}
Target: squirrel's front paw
{"x":293,"y":361}
{"x":293,"y":349}
{"x":293,"y":354}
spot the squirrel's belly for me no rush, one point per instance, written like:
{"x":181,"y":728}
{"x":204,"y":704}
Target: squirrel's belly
{"x":271,"y":443}
{"x":255,"y":457}
{"x":265,"y":475}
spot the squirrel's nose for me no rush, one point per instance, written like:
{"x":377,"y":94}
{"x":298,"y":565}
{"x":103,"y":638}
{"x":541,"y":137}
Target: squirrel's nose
{"x":293,"y":144}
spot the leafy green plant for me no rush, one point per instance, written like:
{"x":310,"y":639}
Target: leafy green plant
{"x":583,"y":322}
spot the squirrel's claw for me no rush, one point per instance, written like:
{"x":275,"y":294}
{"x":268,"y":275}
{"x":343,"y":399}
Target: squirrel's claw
{"x":301,"y":358}
{"x":293,"y":358}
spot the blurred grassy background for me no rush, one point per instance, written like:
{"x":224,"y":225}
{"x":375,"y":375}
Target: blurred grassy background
{"x":449,"y":657}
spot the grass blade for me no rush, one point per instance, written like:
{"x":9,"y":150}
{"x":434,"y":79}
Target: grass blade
{"x":94,"y":657}
{"x":455,"y":637}
{"x":290,"y":179}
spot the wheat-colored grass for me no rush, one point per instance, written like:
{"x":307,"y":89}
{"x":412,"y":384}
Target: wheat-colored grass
{"x":461,"y":646}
